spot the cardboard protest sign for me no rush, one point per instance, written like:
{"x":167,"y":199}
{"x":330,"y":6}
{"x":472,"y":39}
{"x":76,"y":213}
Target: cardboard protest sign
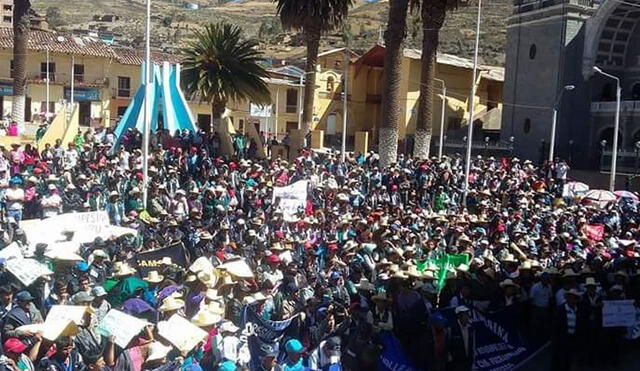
{"x":238,"y":268}
{"x":618,"y":313}
{"x":11,"y":252}
{"x":51,"y":330}
{"x":151,"y":260}
{"x":27,"y":271}
{"x":86,"y":227}
{"x":292,"y":198}
{"x":73,"y":313}
{"x":122,"y":326}
{"x":181,"y":333}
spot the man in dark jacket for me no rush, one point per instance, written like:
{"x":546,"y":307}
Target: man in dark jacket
{"x":569,"y":323}
{"x":25,"y":313}
{"x":463,"y":341}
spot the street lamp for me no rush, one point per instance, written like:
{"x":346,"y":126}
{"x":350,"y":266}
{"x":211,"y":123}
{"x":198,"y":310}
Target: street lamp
{"x":616,"y":128}
{"x":472,"y":106}
{"x":444,"y":107}
{"x":555,"y":120}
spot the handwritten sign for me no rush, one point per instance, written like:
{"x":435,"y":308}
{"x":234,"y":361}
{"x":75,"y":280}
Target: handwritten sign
{"x":27,"y":270}
{"x":121,"y":325}
{"x":11,"y":252}
{"x":51,"y":330}
{"x":85,"y":226}
{"x":73,"y":313}
{"x":292,"y":198}
{"x":181,"y":333}
{"x":618,"y":313}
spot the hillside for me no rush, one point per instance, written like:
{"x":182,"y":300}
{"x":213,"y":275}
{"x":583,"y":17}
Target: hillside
{"x":173,"y":25}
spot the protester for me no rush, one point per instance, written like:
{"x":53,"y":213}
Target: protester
{"x":355,"y":265}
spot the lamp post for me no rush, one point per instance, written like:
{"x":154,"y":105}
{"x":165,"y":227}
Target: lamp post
{"x":603,"y":145}
{"x":472,"y":106}
{"x":616,"y":128}
{"x":444,"y":107}
{"x":555,"y":120}
{"x":147,"y":108}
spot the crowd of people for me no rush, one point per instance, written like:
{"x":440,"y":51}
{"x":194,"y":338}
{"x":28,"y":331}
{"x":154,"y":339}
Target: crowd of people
{"x":345,"y":267}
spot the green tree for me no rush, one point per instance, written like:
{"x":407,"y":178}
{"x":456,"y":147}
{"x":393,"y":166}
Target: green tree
{"x":21,"y":25}
{"x":433,"y":14}
{"x":221,"y":66}
{"x":313,"y":18}
{"x":53,"y":17}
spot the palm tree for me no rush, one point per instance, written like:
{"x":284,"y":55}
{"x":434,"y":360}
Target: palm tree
{"x":221,"y":66}
{"x":313,"y":17}
{"x":393,"y":39}
{"x":433,"y":15}
{"x":21,"y":25}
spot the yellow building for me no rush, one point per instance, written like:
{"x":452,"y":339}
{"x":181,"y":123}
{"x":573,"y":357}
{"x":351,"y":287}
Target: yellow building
{"x":106,"y":77}
{"x":365,"y":94}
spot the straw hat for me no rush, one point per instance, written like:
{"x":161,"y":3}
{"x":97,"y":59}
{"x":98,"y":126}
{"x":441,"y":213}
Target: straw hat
{"x":568,"y":273}
{"x":206,"y":318}
{"x":573,"y":292}
{"x":413,"y":271}
{"x":215,"y":307}
{"x":226,"y":281}
{"x":123,"y":269}
{"x":228,"y":326}
{"x":208,"y":279}
{"x":590,"y":281}
{"x":508,"y":282}
{"x":157,"y":351}
{"x":154,"y":277}
{"x":381,"y":296}
{"x":171,"y":303}
{"x":212,"y":294}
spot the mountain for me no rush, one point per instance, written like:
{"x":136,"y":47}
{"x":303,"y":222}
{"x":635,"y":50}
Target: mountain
{"x":173,"y":24}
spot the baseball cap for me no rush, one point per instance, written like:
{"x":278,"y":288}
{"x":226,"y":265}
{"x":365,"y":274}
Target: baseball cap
{"x":24,"y":296}
{"x":461,"y":309}
{"x":293,"y":346}
{"x":98,"y":291}
{"x":227,"y":366}
{"x":14,"y":345}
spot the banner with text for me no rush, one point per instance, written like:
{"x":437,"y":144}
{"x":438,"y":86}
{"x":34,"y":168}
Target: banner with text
{"x":151,"y":260}
{"x":261,"y":334}
{"x":293,"y":198}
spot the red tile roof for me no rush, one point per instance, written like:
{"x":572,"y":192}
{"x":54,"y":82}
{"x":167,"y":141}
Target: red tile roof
{"x":60,"y":43}
{"x":136,"y":57}
{"x":40,"y":40}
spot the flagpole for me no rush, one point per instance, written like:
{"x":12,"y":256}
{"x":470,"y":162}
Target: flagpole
{"x":147,"y":108}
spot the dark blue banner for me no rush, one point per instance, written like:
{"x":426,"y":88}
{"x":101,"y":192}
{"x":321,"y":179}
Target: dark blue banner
{"x":262,"y":334}
{"x":393,"y":357}
{"x":499,"y":344}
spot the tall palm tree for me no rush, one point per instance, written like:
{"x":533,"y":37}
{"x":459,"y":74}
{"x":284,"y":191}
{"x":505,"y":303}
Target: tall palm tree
{"x":313,"y":17}
{"x":433,"y":14}
{"x":394,"y":37}
{"x":220,"y":66}
{"x":21,"y":25}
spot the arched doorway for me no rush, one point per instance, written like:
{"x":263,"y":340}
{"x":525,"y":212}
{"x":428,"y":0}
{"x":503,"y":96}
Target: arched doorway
{"x":607,"y":135}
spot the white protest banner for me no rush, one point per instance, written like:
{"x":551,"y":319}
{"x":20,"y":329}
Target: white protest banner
{"x":618,"y":313}
{"x":51,"y":330}
{"x":27,"y":270}
{"x":73,"y":313}
{"x":259,"y":111}
{"x":86,"y":227}
{"x":292,"y":198}
{"x":181,"y":333}
{"x":121,"y":325}
{"x":11,"y":252}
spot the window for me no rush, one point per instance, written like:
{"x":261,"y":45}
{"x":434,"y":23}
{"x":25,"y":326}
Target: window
{"x":7,"y":7}
{"x":7,"y":19}
{"x":533,"y":50}
{"x":607,"y":94}
{"x":635,"y":91}
{"x":78,"y":72}
{"x":52,"y":71}
{"x":330,"y":81}
{"x":122,"y":110}
{"x":292,"y":101}
{"x":11,"y":69}
{"x":527,"y":126}
{"x":124,"y":86}
{"x":337,"y":64}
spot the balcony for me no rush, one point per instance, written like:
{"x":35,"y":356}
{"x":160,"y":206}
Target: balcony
{"x":629,"y":106}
